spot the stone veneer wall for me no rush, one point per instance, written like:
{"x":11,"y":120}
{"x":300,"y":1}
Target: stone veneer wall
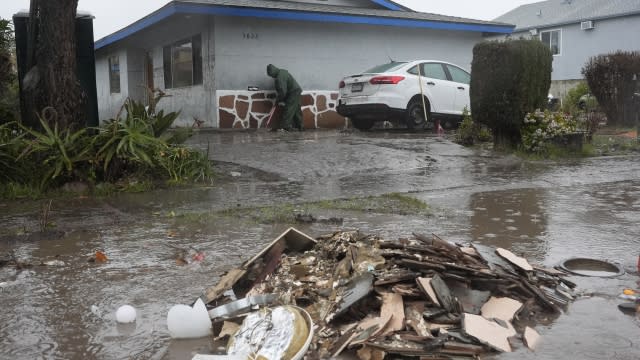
{"x":239,"y":109}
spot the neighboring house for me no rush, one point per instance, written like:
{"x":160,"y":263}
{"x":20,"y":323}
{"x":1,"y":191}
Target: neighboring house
{"x":576,"y":30}
{"x":211,"y":55}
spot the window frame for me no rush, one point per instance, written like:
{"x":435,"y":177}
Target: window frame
{"x":169,"y":64}
{"x":114,"y":75}
{"x":551,"y":31}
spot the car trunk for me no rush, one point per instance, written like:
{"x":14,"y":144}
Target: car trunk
{"x":359,"y":85}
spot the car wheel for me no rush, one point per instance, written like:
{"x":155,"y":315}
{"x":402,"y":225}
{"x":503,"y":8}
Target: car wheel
{"x":362,"y":124}
{"x":415,"y":119}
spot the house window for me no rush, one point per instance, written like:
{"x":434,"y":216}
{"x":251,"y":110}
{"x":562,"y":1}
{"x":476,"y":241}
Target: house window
{"x":552,"y":39}
{"x":114,"y":75}
{"x":183,"y":63}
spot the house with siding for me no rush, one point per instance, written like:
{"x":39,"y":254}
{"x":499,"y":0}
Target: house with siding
{"x":210,"y":56}
{"x":576,"y":30}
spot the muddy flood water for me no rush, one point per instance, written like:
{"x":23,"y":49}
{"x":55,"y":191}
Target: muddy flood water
{"x":545,"y":211}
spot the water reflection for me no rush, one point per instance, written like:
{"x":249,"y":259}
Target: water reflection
{"x":514,"y":220}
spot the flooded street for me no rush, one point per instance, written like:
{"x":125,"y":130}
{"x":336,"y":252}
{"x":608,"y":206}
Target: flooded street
{"x":544,"y":211}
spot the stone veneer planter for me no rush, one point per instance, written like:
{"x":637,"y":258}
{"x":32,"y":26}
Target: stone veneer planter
{"x":239,"y":109}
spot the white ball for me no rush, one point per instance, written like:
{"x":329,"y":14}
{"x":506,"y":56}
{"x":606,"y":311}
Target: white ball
{"x":126,"y":314}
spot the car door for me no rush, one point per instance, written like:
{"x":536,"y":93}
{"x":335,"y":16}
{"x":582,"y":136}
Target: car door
{"x":438,"y":88}
{"x":462,"y":79}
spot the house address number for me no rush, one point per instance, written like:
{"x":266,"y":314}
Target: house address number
{"x":250,"y":35}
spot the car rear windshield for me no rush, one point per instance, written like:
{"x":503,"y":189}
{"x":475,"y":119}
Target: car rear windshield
{"x":392,"y":66}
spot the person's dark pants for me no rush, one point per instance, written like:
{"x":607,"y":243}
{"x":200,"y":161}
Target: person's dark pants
{"x":292,"y":114}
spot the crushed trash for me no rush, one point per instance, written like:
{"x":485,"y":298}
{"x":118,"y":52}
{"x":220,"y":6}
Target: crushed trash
{"x":420,"y":297}
{"x":99,"y":257}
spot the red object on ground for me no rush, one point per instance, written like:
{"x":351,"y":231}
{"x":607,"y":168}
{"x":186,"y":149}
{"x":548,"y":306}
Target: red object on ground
{"x":439,"y":130}
{"x":274,"y":113}
{"x":638,"y":263}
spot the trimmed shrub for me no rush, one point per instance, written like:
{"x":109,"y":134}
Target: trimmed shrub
{"x":508,"y":80}
{"x":613,"y":78}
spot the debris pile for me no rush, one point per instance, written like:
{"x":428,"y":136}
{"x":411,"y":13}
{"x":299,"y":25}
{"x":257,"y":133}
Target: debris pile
{"x":422,"y":297}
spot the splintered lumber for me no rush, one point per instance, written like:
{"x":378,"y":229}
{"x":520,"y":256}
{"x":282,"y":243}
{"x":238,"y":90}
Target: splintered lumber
{"x":225,"y":283}
{"x":458,"y":348}
{"x":512,"y":258}
{"x":501,"y":308}
{"x":393,"y":307}
{"x":436,"y":242}
{"x":444,"y":294}
{"x":415,"y":321}
{"x":425,"y":285}
{"x":531,"y":338}
{"x":358,"y":288}
{"x":487,"y":332}
{"x":343,"y":341}
{"x":369,"y":328}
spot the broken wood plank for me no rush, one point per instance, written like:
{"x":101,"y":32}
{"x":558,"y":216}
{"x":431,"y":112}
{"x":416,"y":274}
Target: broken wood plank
{"x":369,"y":328}
{"x":512,"y":258}
{"x":226,"y":282}
{"x":392,"y":306}
{"x":458,"y":348}
{"x":421,"y":265}
{"x":358,"y":288}
{"x":487,"y":332}
{"x":413,"y":314}
{"x":531,"y":338}
{"x":445,"y":298}
{"x":343,"y":341}
{"x":501,"y":308}
{"x":425,"y":285}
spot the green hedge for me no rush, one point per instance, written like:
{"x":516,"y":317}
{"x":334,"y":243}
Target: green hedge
{"x":613,"y":78}
{"x":508,"y":80}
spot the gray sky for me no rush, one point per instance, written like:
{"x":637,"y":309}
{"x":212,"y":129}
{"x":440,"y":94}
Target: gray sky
{"x":112,"y":15}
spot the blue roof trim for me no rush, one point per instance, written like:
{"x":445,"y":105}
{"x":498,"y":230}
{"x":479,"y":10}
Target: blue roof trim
{"x":145,"y":22}
{"x":389,"y":5}
{"x":172,"y":9}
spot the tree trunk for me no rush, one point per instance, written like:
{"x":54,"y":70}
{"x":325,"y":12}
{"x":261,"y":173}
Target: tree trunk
{"x":54,"y":89}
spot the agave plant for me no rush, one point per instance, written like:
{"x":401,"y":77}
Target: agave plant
{"x":57,"y":150}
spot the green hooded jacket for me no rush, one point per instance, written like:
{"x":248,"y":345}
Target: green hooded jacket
{"x":284,"y":82}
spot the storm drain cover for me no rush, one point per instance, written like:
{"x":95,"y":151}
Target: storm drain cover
{"x":591,"y":267}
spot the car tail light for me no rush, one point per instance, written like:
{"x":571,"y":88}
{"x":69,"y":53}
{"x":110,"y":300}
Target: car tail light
{"x":342,"y":84}
{"x":386,"y":80}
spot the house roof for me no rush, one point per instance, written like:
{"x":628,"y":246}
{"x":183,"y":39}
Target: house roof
{"x":563,"y":12}
{"x":284,"y":10}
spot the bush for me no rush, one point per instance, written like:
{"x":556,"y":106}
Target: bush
{"x":9,"y":98}
{"x":508,"y":80}
{"x":572,"y":98}
{"x":470,"y":132}
{"x":613,"y":79}
{"x":541,"y":128}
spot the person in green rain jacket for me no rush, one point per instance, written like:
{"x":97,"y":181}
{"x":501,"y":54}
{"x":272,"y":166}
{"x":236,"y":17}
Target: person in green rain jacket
{"x":289,"y":95}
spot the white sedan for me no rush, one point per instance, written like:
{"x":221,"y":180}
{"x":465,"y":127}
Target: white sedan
{"x":415,"y":93}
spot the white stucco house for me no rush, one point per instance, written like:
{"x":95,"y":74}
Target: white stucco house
{"x":576,"y":30}
{"x":211,"y":55}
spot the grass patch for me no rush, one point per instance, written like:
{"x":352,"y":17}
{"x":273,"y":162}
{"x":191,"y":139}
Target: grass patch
{"x":394,"y":203}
